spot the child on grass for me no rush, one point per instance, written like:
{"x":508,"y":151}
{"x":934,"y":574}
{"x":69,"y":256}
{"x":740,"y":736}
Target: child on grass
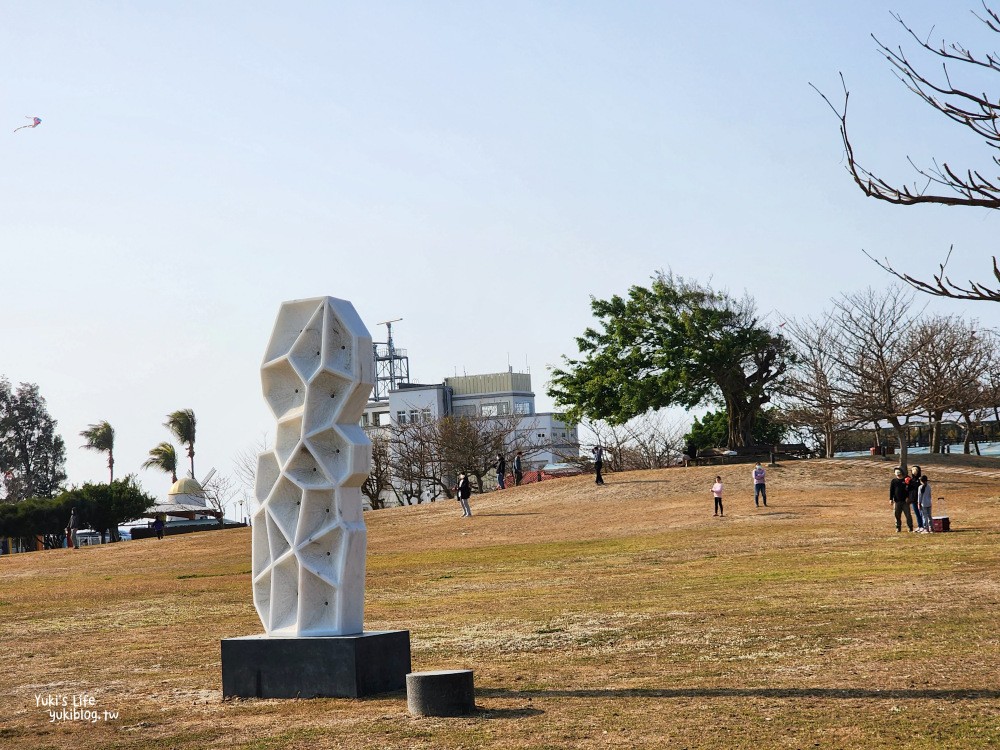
{"x":717,"y":494}
{"x":924,"y":500}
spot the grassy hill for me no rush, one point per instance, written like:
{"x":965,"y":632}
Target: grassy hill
{"x":622,"y":616}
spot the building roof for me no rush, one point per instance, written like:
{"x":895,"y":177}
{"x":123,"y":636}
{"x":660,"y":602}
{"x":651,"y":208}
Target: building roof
{"x":186,"y":492}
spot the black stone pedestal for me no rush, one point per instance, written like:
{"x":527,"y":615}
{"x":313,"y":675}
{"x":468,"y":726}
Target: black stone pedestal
{"x":342,"y":666}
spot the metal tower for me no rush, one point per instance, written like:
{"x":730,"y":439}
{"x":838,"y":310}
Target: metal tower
{"x":392,"y":366}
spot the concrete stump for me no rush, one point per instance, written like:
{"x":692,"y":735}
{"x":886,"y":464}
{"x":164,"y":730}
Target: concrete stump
{"x":446,"y":692}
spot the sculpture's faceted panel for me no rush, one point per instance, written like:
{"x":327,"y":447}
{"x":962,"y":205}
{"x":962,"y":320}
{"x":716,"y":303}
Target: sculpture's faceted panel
{"x":289,"y":435}
{"x":284,"y":389}
{"x":347,"y":504}
{"x":331,"y":450}
{"x":277,"y":539}
{"x":320,"y":619}
{"x":262,"y":595}
{"x":261,"y":548}
{"x":309,"y":538}
{"x":282,"y":507}
{"x":268,"y":472}
{"x":305,"y":469}
{"x":285,"y":595}
{"x":292,"y":318}
{"x":306,"y":353}
{"x":327,"y":394}
{"x":316,"y":514}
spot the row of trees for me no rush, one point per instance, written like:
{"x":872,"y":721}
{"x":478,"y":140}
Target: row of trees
{"x":873,"y":358}
{"x":101,"y":507}
{"x":32,"y":463}
{"x":420,"y":461}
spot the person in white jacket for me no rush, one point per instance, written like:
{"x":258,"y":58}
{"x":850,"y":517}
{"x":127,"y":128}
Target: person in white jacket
{"x":924,"y":501}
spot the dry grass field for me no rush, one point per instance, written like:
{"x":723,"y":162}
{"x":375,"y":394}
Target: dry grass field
{"x":622,"y":616}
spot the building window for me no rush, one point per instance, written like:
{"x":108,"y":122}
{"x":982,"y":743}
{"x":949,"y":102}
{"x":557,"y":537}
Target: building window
{"x":425,"y":415}
{"x":466,"y":410}
{"x":541,"y":435}
{"x":364,"y":420}
{"x":400,"y":417}
{"x":496,"y":409}
{"x":414,"y":416}
{"x":522,"y":407}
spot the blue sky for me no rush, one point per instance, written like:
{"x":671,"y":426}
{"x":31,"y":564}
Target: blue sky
{"x":478,"y":169}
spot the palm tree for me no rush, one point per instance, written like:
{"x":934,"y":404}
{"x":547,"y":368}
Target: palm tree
{"x":182,"y":424}
{"x":101,"y":438}
{"x":164,"y":458}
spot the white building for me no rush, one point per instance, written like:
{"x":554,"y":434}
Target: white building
{"x":494,"y":395}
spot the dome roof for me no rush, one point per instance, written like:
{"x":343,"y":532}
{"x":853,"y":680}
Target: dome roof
{"x":186,"y":486}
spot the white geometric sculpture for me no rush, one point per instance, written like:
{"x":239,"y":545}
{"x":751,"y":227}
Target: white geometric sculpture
{"x":309,"y":538}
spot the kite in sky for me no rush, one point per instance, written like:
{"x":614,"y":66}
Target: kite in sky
{"x":35,"y":122}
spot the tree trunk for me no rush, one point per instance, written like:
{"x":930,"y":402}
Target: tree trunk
{"x":740,"y":421}
{"x":900,"y":430}
{"x":968,"y":434}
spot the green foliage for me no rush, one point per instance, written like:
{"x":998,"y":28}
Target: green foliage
{"x":711,"y":430}
{"x":103,"y":507}
{"x":32,"y":455}
{"x":164,"y":458}
{"x":675,"y":343}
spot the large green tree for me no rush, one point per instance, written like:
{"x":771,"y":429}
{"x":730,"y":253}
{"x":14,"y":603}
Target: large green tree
{"x":32,"y":455}
{"x":673,"y":343}
{"x":104,"y":506}
{"x":100,"y":437}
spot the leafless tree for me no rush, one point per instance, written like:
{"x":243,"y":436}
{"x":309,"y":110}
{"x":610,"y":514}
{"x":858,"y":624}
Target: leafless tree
{"x":219,"y":491}
{"x":378,"y":484}
{"x":811,"y":399}
{"x":650,"y":441}
{"x":415,"y":466}
{"x":875,"y":356}
{"x":245,"y":470}
{"x":977,"y":396}
{"x":940,"y":183}
{"x":954,"y":362}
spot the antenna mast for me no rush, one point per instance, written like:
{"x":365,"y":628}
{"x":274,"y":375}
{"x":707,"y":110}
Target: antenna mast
{"x":392,"y":366}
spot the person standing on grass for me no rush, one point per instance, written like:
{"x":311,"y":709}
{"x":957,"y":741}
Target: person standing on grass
{"x":598,"y":463}
{"x":464,"y":493}
{"x":912,"y":492}
{"x":518,"y":473}
{"x":924,"y":501}
{"x":72,"y":528}
{"x":717,"y":494}
{"x":899,"y":498}
{"x":759,"y":487}
{"x":501,"y":467}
